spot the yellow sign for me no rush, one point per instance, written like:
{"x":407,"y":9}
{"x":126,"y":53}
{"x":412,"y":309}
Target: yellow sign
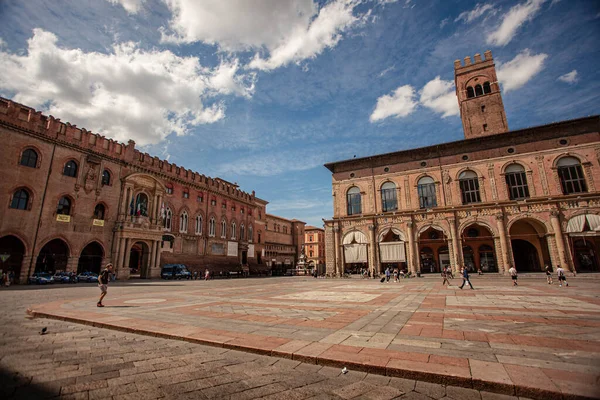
{"x":98,"y":222}
{"x":63,"y":218}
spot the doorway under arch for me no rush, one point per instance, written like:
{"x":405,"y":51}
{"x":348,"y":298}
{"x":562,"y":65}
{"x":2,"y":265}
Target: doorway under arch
{"x":478,"y":248}
{"x":525,"y":255}
{"x":433,"y":250}
{"x":586,"y":256}
{"x":91,"y":258}
{"x":139,"y":259}
{"x":53,"y":257}
{"x":12,"y":251}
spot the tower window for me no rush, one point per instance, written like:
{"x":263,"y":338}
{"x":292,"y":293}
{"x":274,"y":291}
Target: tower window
{"x":482,"y":108}
{"x":478,"y":90}
{"x":484,"y":127}
{"x":487,"y":88}
{"x":470,"y":92}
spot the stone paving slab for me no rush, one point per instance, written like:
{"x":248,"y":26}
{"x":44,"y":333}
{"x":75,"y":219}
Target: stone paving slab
{"x":534,"y":340}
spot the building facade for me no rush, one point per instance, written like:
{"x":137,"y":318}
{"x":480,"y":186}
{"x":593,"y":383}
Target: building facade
{"x":496,"y":199}
{"x":314,"y":246}
{"x":284,"y":239}
{"x":74,"y":200}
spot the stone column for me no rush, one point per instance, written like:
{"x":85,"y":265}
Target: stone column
{"x":152,"y":261}
{"x":456,"y":245}
{"x":336,"y":237}
{"x":116,"y":258}
{"x":72,"y":264}
{"x":158,"y":207}
{"x":558,"y":237}
{"x":372,"y":258}
{"x":411,"y":248}
{"x":24,"y":275}
{"x":503,"y":262}
{"x":127,"y":253}
{"x":156,"y":269}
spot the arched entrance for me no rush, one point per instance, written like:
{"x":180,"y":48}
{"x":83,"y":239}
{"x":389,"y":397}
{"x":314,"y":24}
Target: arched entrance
{"x":12,"y":251}
{"x":139,"y":259}
{"x":525,"y":255}
{"x":529,"y":245}
{"x":53,"y":257}
{"x":433,"y":250}
{"x":392,"y":250}
{"x":478,"y":248}
{"x":355,"y":251}
{"x":91,"y":258}
{"x":584,"y":240}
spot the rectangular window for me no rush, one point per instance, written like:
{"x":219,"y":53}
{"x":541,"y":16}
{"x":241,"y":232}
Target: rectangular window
{"x":517,"y":185}
{"x":186,"y":195}
{"x":213,"y":202}
{"x":572,"y":179}
{"x":199,"y":199}
{"x":224,"y":206}
{"x":427,"y":198}
{"x":484,"y":127}
{"x":470,"y":190}
{"x":169,"y":190}
{"x":388,"y":200}
{"x":353,"y":204}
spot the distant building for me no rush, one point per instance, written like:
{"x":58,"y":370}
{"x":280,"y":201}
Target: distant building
{"x":496,"y":199}
{"x":284,"y":239}
{"x":314,"y":247}
{"x":73,"y":201}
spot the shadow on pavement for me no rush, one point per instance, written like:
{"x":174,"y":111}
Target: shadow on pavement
{"x":16,"y":386}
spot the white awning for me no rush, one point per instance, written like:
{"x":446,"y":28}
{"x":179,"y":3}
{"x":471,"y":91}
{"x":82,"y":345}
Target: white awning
{"x":392,"y":252}
{"x":355,"y":253}
{"x":356,"y":237}
{"x":395,"y":230}
{"x":576,"y":224}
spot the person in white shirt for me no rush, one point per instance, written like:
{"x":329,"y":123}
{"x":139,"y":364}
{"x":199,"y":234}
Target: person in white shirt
{"x":513,"y":275}
{"x":562,"y":277}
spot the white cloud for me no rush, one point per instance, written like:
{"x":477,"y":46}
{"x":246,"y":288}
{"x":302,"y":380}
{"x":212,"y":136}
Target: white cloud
{"x":444,"y":22}
{"x":570,"y":77}
{"x":513,"y":20}
{"x":128,"y":93}
{"x":2,"y":43}
{"x":399,"y":104}
{"x":478,"y":11}
{"x":131,"y":6}
{"x":440,"y":96}
{"x":520,"y":69}
{"x":281,"y":32}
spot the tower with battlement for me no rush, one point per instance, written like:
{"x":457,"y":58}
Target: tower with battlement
{"x":479,"y":98}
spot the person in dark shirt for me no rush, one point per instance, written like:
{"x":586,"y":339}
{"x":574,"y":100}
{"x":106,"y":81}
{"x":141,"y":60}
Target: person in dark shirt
{"x":465,"y":276}
{"x":103,"y":279}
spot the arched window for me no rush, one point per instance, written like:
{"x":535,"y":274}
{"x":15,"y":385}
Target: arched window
{"x":426,"y":191}
{"x":516,"y":182}
{"x":285,"y":229}
{"x":353,"y":200}
{"x":250,"y":234}
{"x":64,"y":206}
{"x":99,"y":211}
{"x":571,"y":175}
{"x":20,"y":200}
{"x":470,"y":92}
{"x":223,"y":229}
{"x":242,"y":232}
{"x":487,"y":88}
{"x":198,"y":225}
{"x":70,"y":169}
{"x":183,"y":222}
{"x":388,"y":197}
{"x":478,"y":90}
{"x":29,"y":158}
{"x":212,"y":230}
{"x":233,"y":230}
{"x":469,"y":187}
{"x":105,"y":178}
{"x":141,"y":205}
{"x":168,"y":219}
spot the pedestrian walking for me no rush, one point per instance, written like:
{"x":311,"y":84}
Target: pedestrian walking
{"x":548,"y":274}
{"x":513,"y":275}
{"x":562,"y":277}
{"x":396,"y":275}
{"x":445,"y":276}
{"x":465,"y":276}
{"x":387,"y":274}
{"x":206,"y":274}
{"x":103,"y":279}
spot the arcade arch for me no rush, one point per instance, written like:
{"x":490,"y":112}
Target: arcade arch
{"x":91,"y":258}
{"x":529,"y":245}
{"x":53,"y":257}
{"x":12,"y":251}
{"x":433,"y":250}
{"x":478,"y":248}
{"x":583,"y":232}
{"x":355,"y":251}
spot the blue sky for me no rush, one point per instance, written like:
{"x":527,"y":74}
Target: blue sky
{"x":264,"y":92}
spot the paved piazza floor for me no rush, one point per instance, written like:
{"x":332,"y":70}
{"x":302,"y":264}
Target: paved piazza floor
{"x":534,"y":340}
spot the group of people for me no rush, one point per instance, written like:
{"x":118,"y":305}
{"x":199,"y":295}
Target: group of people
{"x":447,"y":274}
{"x":397,"y":273}
{"x":7,"y":278}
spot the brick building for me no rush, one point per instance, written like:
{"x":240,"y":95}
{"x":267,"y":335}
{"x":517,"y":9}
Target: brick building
{"x":314,"y":246}
{"x":284,"y":239}
{"x":495,"y":199}
{"x":74,"y":200}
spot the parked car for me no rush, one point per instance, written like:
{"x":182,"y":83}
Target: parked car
{"x":60,"y":277}
{"x":181,"y":272}
{"x":87,"y":277}
{"x":41,"y":278}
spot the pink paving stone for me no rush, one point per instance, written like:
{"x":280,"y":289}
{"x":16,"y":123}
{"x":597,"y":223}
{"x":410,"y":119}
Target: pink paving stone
{"x":309,"y":353}
{"x":287,"y":349}
{"x":438,"y":373}
{"x":457,"y":361}
{"x":531,"y":382}
{"x":490,"y":376}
